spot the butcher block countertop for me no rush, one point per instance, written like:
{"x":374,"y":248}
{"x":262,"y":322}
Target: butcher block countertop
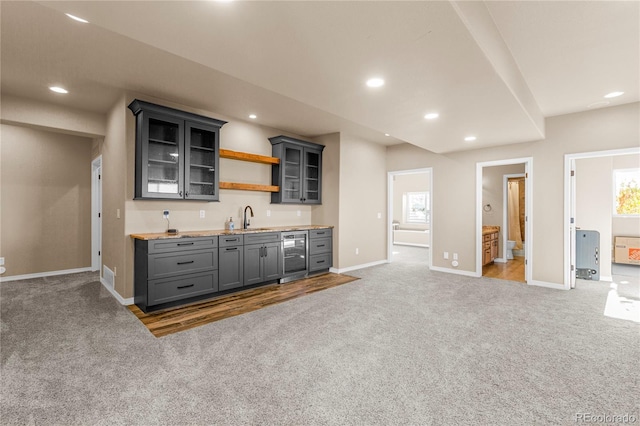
{"x":210,"y":233}
{"x":490,"y":229}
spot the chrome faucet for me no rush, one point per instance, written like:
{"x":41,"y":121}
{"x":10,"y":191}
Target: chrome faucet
{"x":245,"y":223}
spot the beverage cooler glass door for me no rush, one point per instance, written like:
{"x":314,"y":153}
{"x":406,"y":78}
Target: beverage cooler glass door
{"x":295,"y":252}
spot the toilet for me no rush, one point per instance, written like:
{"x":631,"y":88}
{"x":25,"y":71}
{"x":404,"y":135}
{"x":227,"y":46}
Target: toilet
{"x":510,"y":246}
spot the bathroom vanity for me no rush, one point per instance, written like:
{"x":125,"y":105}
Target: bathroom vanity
{"x":490,"y":245}
{"x":171,"y":270}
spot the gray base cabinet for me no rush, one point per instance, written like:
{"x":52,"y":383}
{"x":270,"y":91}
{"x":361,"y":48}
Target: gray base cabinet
{"x":320,"y":250}
{"x":262,"y":258}
{"x":231,"y":256}
{"x":171,"y":270}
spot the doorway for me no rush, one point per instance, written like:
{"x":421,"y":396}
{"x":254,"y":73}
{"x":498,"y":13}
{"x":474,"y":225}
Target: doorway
{"x":602,"y":214}
{"x":96,"y":214}
{"x":410,"y":223}
{"x":503,"y":219}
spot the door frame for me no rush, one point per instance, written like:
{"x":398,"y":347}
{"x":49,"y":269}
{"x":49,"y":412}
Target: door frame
{"x":390,"y":176}
{"x":96,"y":214}
{"x":505,"y":211}
{"x":570,"y":206}
{"x":528,"y":249}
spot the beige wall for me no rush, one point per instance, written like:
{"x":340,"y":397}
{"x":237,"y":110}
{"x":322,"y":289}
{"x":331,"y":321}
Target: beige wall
{"x":454,"y":183}
{"x":46,"y":200}
{"x":414,"y":182}
{"x":594,"y":194}
{"x":363,"y":195}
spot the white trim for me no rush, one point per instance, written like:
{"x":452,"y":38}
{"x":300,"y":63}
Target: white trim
{"x":505,"y":209}
{"x":528,"y":248}
{"x":547,"y":285}
{"x":362,"y":266}
{"x":455,"y":271}
{"x":96,"y":208}
{"x":115,"y":294}
{"x":411,"y":244}
{"x":569,"y":202}
{"x":390,"y":176}
{"x":45,"y":274}
{"x":500,"y":260}
{"x":608,"y":279}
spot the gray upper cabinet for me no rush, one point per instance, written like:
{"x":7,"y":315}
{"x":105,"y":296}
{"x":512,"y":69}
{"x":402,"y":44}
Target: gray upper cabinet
{"x":299,"y":174}
{"x":177,"y":153}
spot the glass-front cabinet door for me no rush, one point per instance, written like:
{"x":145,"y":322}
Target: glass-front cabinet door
{"x":312,"y":183}
{"x":201,"y":163}
{"x":162,"y":154}
{"x":292,"y":168}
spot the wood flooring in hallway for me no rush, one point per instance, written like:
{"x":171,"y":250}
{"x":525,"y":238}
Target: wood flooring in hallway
{"x":513,"y":270}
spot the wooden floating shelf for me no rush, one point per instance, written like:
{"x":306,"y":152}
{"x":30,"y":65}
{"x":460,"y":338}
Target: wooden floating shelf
{"x":249,"y":187}
{"x":245,"y":156}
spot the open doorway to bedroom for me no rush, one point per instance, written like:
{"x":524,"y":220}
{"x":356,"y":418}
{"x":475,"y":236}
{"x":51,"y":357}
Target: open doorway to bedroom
{"x":409,"y":213}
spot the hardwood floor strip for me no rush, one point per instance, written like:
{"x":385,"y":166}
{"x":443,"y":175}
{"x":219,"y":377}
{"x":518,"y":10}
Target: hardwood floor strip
{"x":163,"y":323}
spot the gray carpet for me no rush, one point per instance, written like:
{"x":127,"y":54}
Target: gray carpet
{"x":403,"y":346}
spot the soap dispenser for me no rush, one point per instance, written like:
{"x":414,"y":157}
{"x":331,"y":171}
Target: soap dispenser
{"x":229,"y":226}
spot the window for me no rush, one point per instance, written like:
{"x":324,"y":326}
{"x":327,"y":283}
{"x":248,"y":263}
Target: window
{"x":626,"y":192}
{"x":416,"y":207}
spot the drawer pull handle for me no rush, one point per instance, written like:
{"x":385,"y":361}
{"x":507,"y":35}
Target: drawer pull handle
{"x":320,"y":261}
{"x":231,"y":240}
{"x":185,"y":286}
{"x":232,"y":248}
{"x":319,"y":233}
{"x":186,"y":263}
{"x":185,"y":244}
{"x":320,"y":245}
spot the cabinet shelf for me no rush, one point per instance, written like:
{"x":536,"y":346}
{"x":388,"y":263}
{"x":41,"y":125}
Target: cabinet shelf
{"x":202,"y":148}
{"x":152,"y":160}
{"x":202,"y":166}
{"x":202,"y":183}
{"x":162,"y":141}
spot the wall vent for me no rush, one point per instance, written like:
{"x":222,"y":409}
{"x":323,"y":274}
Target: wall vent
{"x":108,"y":276}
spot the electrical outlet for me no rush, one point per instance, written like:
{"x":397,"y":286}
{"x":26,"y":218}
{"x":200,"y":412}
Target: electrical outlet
{"x":268,"y":213}
{"x":299,"y":213}
{"x":455,"y":256}
{"x":201,"y":214}
{"x":117,"y":213}
{"x":357,"y":251}
{"x":165,"y":214}
{"x":446,"y":254}
{"x":379,"y":215}
{"x":1,"y":261}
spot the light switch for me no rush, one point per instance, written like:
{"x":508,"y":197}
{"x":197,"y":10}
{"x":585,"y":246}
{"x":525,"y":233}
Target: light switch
{"x":201,"y":214}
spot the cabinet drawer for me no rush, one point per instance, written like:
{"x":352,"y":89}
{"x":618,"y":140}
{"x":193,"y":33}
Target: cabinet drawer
{"x":486,"y":237}
{"x":169,"y":290}
{"x":170,"y":264}
{"x":230,"y":240}
{"x":177,"y":244}
{"x":319,"y":261}
{"x":486,"y":245}
{"x":262,"y":237}
{"x":320,"y":233}
{"x":319,"y":246}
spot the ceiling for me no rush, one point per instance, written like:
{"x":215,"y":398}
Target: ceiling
{"x":493,"y":70}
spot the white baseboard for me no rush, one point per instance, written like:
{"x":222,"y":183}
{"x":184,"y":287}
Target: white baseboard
{"x":362,"y":266}
{"x":454,"y":271}
{"x":45,"y":274}
{"x":115,"y":294}
{"x":606,"y":278}
{"x":500,"y":260}
{"x":547,"y":285}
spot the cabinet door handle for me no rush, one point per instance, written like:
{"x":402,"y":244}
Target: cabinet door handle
{"x":186,"y":194}
{"x":185,"y":286}
{"x":185,"y":244}
{"x":232,"y":248}
{"x":265,"y":251}
{"x":180,"y":193}
{"x":186,"y":263}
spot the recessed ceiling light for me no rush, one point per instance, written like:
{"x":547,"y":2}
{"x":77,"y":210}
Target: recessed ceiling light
{"x":375,"y":82}
{"x":75,"y":18}
{"x":470,"y":138}
{"x":253,"y":116}
{"x":58,"y":89}
{"x":432,"y":115}
{"x":613,"y":94}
